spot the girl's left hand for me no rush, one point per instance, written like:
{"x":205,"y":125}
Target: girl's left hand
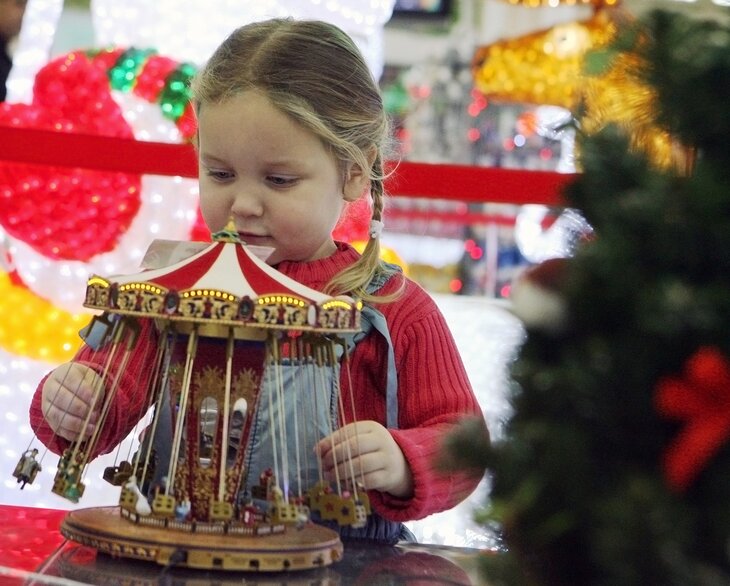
{"x":377,"y":460}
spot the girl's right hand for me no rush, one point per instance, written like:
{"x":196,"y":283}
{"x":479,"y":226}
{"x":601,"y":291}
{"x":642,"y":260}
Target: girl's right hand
{"x":68,"y":398}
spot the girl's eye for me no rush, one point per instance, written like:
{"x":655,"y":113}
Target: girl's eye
{"x":280,"y":181}
{"x":219,"y":175}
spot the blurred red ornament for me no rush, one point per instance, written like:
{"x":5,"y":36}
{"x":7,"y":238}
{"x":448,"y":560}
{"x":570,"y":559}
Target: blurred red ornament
{"x":701,"y":398}
{"x":200,"y":232}
{"x":537,"y":295}
{"x":63,"y":213}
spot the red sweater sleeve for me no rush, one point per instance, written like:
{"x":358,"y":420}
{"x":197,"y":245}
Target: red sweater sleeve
{"x":434,"y":394}
{"x":130,"y":399}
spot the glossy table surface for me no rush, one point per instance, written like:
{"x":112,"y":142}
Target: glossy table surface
{"x":32,"y":551}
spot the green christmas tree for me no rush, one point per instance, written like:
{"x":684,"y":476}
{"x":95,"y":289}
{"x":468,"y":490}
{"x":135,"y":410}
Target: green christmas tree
{"x":615,"y":468}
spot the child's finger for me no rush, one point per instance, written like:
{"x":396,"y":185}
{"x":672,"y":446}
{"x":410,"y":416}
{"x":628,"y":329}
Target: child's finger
{"x":70,"y":424}
{"x":69,"y":403}
{"x":72,"y":428}
{"x":82,"y":381}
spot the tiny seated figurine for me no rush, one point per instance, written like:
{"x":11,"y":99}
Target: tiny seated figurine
{"x":27,"y":468}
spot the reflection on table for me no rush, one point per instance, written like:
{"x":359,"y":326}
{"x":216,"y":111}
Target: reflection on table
{"x":363,"y":564}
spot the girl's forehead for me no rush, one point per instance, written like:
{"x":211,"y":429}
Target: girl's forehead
{"x":252,"y":111}
{"x":247,"y":106}
{"x":253,"y":121}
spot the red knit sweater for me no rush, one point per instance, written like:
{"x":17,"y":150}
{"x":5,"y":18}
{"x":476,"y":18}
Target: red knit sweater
{"x":433,"y":389}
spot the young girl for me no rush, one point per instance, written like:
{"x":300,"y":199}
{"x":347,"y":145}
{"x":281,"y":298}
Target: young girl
{"x":291,"y":128}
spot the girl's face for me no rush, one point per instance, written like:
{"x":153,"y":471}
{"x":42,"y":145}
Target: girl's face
{"x":274,"y":177}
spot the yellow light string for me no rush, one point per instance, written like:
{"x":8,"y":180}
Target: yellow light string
{"x":544,"y":67}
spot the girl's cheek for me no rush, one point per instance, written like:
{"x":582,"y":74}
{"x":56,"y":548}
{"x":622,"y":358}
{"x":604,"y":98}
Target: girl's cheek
{"x":208,"y":211}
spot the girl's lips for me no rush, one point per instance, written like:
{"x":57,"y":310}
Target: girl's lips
{"x":247,"y":237}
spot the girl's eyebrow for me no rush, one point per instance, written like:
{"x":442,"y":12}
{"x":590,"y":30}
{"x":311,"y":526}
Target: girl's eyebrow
{"x":275,"y":162}
{"x":211,"y":159}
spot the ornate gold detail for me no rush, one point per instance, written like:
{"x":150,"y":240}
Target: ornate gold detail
{"x":140,"y":300}
{"x":245,"y":384}
{"x":339,"y":316}
{"x":280,"y":311}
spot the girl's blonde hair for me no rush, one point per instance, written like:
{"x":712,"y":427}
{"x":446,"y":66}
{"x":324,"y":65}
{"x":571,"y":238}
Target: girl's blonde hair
{"x":314,"y":72}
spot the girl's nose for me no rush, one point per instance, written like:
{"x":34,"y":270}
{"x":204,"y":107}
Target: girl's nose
{"x":246,"y":203}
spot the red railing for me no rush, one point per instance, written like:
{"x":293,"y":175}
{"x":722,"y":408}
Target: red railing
{"x":408,"y":179}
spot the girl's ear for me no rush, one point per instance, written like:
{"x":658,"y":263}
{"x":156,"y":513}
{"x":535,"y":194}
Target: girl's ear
{"x":356,"y":184}
{"x":357,"y":181}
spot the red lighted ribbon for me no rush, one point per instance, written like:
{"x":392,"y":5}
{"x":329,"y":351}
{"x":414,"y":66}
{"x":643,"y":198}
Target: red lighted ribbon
{"x":439,"y":181}
{"x":701,"y":398}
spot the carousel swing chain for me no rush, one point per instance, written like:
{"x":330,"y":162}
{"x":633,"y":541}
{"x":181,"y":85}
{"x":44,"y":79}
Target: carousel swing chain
{"x":226,"y":414}
{"x":182,"y":411}
{"x":157,"y":395}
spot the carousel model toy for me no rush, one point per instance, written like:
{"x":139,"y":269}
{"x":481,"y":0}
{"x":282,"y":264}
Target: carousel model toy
{"x":245,"y":381}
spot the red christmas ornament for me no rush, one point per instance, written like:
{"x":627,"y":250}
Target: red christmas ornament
{"x":71,"y":214}
{"x":701,"y":398}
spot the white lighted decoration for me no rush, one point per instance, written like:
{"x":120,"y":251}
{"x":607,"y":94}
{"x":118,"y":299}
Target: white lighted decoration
{"x":538,"y":243}
{"x":34,"y":47}
{"x":190,"y":30}
{"x":554,"y":122}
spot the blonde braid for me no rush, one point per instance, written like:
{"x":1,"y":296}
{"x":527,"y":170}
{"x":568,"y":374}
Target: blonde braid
{"x":355,"y":279}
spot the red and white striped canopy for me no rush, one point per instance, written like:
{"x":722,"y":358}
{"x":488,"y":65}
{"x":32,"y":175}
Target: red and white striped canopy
{"x":227,"y":267}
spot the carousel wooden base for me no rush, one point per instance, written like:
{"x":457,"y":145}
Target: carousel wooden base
{"x":103,"y":529}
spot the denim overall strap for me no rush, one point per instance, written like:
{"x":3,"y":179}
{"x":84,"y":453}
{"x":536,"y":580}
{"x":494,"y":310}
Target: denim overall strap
{"x":371,"y":319}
